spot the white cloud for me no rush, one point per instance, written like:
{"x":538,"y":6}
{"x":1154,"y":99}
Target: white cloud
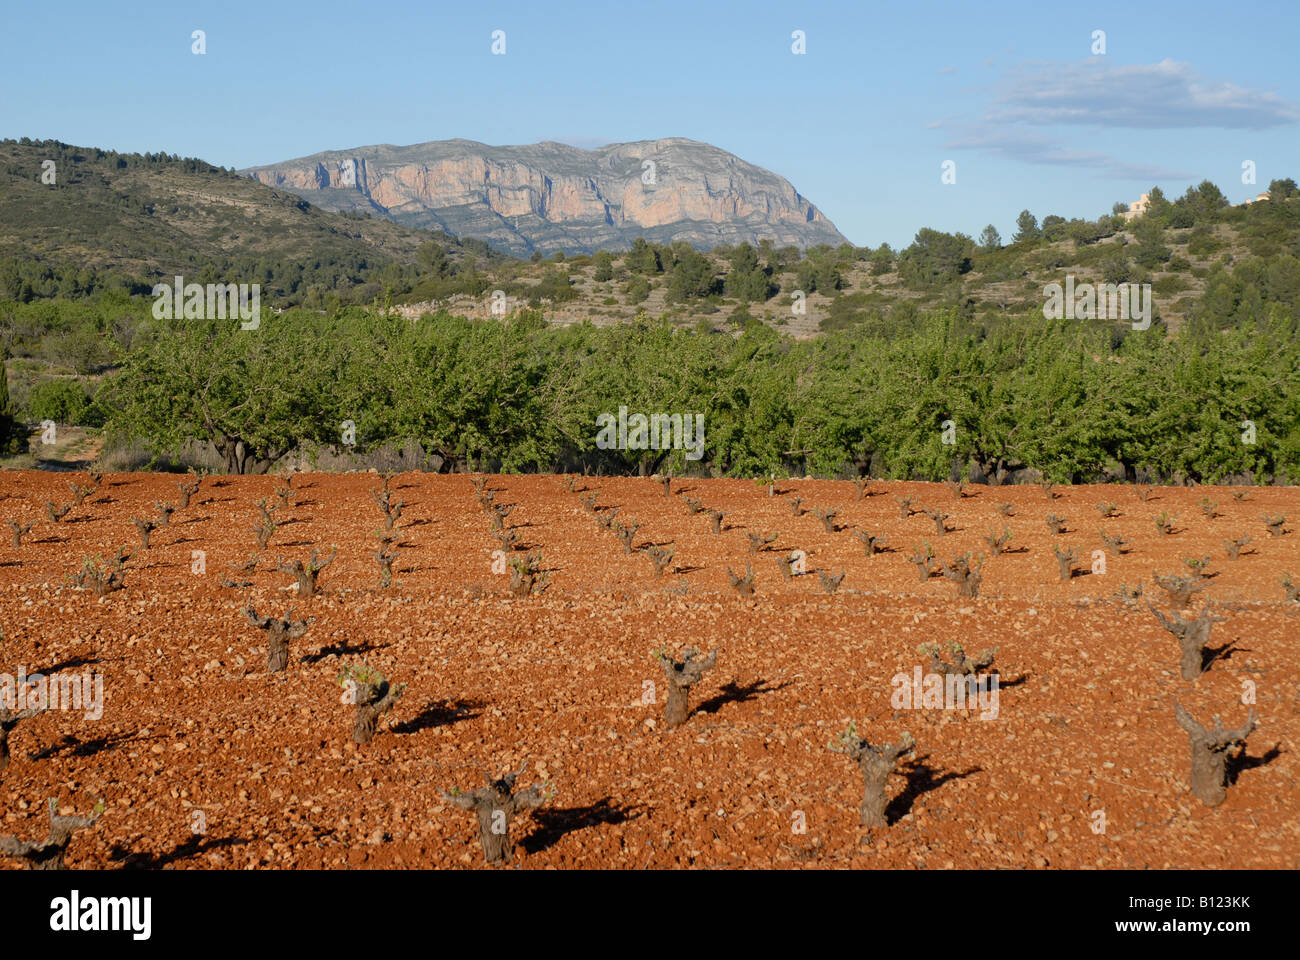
{"x":1163,"y":95}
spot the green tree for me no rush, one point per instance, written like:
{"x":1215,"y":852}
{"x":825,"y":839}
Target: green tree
{"x":1282,"y":189}
{"x":643,"y":258}
{"x":637,"y":289}
{"x":692,"y":278}
{"x":990,"y":239}
{"x":1026,"y":227}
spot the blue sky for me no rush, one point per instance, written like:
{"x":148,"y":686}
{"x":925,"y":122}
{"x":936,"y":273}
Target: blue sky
{"x":861,"y":123}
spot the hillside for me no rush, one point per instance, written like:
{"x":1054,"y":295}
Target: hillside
{"x":138,"y":218}
{"x":124,"y":221}
{"x":550,"y":196}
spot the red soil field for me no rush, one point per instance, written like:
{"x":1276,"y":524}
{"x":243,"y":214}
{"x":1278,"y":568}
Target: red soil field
{"x":193,"y":723}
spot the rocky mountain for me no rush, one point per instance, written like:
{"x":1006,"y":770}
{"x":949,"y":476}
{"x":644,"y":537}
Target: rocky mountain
{"x":551,"y":196}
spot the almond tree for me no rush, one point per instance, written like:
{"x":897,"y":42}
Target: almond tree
{"x":278,"y":634}
{"x":48,"y":854}
{"x":1192,"y":636}
{"x":496,"y":805}
{"x":682,"y":675}
{"x":373,"y":697}
{"x":1210,"y":753}
{"x":876,"y":764}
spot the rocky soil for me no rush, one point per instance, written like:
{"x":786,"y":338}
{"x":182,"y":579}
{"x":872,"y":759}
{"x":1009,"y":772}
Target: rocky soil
{"x":204,"y":760}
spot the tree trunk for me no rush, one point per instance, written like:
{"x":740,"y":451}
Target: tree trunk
{"x":1208,"y":771}
{"x":1193,"y":657}
{"x":679,"y":705}
{"x":277,"y":650}
{"x":875,"y":773}
{"x":497,"y":847}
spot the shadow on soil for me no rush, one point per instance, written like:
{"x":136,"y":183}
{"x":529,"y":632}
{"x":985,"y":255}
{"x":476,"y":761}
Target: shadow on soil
{"x":733,"y":692}
{"x":554,"y":824}
{"x":921,"y":779}
{"x":439,"y":713}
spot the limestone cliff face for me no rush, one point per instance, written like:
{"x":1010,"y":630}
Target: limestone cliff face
{"x":550,"y":196}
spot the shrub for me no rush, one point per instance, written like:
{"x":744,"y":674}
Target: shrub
{"x":63,"y":401}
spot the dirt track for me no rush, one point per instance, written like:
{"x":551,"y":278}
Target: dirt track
{"x":193,"y":722}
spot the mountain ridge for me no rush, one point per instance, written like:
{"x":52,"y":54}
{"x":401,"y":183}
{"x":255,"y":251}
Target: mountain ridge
{"x":550,"y":196}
